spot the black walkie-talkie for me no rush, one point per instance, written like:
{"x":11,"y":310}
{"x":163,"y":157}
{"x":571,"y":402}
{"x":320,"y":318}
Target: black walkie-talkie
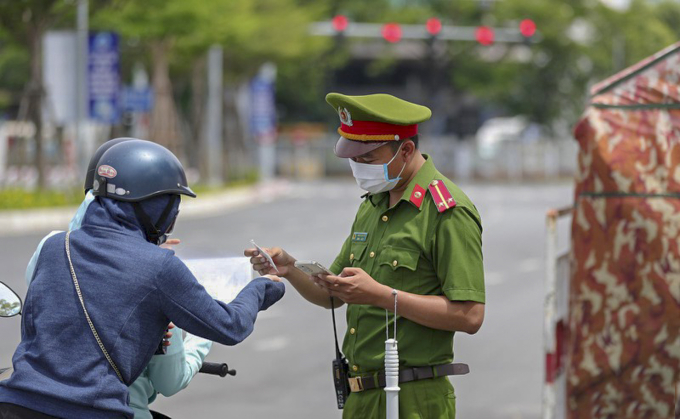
{"x":340,"y":368}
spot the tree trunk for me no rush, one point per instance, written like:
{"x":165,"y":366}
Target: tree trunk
{"x":35,"y":95}
{"x":198,"y":104}
{"x":164,"y":127}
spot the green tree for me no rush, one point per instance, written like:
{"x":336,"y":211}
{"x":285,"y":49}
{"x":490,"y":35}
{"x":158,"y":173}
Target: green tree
{"x":581,"y":42}
{"x":176,"y":35}
{"x":23,"y":24}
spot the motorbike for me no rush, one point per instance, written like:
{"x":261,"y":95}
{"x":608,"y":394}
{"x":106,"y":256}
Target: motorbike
{"x":11,"y":304}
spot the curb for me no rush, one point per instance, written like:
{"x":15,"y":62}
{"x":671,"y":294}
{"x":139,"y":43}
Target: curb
{"x":17,"y":222}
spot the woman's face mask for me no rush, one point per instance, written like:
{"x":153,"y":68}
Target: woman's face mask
{"x":375,"y":178}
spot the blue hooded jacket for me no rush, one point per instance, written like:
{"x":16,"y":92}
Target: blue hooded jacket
{"x":131,"y":289}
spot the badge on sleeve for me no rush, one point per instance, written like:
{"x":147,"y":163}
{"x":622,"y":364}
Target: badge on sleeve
{"x":441,"y":196}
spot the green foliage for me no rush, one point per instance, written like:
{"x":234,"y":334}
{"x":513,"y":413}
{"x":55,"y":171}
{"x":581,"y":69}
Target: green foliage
{"x":552,"y":84}
{"x":15,"y":198}
{"x":547,"y":80}
{"x":250,"y":32}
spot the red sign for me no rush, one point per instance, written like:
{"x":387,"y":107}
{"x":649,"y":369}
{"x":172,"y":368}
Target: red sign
{"x":433,"y":26}
{"x":340,"y":23}
{"x":391,"y":32}
{"x":484,"y":35}
{"x":527,"y":27}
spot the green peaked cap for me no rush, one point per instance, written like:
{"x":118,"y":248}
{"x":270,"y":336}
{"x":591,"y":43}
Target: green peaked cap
{"x":380,"y":107}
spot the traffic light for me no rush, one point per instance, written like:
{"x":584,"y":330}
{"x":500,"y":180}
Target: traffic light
{"x":391,"y":32}
{"x":433,"y":26}
{"x":340,"y":23}
{"x":484,"y":35}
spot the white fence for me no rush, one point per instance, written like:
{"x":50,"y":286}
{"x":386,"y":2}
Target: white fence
{"x":461,"y":160}
{"x":549,"y":159}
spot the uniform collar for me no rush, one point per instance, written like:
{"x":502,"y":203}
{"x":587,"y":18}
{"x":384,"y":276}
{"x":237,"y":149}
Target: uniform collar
{"x":425,"y":175}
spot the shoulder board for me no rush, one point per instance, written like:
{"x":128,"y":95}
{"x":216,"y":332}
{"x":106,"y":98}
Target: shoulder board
{"x":441,"y":195}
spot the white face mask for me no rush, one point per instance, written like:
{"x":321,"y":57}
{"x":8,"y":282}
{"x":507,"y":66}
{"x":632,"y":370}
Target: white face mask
{"x":375,"y":178}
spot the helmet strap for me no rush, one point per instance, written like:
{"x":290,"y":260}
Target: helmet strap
{"x":99,"y":186}
{"x":153,"y":233}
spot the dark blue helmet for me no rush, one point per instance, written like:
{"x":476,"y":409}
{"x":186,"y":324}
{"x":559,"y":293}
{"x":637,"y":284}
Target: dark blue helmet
{"x":92,"y":167}
{"x":135,"y":170}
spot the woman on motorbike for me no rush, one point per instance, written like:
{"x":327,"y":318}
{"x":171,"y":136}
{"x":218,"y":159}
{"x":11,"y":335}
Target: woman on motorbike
{"x":102,"y":296}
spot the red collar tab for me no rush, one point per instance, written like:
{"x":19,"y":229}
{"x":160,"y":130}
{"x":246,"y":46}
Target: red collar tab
{"x":417,"y":195}
{"x":369,"y":128}
{"x":441,"y":196}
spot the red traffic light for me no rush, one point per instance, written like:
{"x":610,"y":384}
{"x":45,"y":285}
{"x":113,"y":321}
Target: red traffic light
{"x":340,"y":23}
{"x":433,"y":26}
{"x":527,"y":27}
{"x":391,"y":32}
{"x":484,"y":35}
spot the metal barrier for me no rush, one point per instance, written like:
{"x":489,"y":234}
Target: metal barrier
{"x":556,"y":309}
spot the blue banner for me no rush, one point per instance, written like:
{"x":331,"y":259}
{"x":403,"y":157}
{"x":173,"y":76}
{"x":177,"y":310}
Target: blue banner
{"x":103,"y":76}
{"x":262,"y":110}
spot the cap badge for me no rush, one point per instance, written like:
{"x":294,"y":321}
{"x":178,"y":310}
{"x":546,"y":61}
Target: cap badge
{"x":345,"y":116}
{"x":107,"y":171}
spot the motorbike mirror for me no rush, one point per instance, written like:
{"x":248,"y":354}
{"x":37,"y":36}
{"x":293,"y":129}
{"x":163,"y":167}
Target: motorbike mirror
{"x":10,"y":303}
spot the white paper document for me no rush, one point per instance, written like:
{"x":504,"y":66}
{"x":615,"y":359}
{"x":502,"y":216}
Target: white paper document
{"x":223,"y":278}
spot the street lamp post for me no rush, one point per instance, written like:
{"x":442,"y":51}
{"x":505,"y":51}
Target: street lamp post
{"x":81,"y":80}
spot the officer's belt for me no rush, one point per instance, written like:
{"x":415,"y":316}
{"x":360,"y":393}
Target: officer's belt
{"x":357,"y":384}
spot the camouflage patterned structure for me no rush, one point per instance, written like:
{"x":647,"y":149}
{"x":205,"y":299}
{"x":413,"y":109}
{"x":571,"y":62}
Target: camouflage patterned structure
{"x":623,"y":345}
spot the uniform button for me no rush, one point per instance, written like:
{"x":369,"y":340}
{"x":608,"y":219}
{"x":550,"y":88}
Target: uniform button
{"x":355,"y":368}
{"x":352,"y":331}
{"x":418,"y":195}
{"x":395,"y":263}
{"x":385,"y":218}
{"x":434,"y":183}
{"x":351,"y":257}
{"x":372,"y":254}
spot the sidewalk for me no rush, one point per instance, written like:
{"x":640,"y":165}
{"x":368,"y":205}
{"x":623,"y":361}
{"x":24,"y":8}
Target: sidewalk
{"x":17,"y":222}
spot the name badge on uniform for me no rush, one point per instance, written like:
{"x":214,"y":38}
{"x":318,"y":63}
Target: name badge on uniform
{"x":359,"y":237}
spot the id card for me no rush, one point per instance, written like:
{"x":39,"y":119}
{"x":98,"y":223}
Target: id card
{"x":265,"y":254}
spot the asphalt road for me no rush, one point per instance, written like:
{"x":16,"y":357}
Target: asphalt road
{"x":284,"y":366}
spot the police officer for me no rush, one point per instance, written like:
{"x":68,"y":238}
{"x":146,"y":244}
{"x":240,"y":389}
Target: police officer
{"x":102,"y":296}
{"x":415,"y":232}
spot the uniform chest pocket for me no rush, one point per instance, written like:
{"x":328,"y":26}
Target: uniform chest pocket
{"x":357,"y":252}
{"x":397,"y":266}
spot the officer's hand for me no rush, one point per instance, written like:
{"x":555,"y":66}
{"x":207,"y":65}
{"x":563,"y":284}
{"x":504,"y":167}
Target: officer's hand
{"x":284,"y":262}
{"x":353,"y":286}
{"x":169,"y":243}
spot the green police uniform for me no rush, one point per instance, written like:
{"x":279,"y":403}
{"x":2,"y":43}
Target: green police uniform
{"x":428,"y":243}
